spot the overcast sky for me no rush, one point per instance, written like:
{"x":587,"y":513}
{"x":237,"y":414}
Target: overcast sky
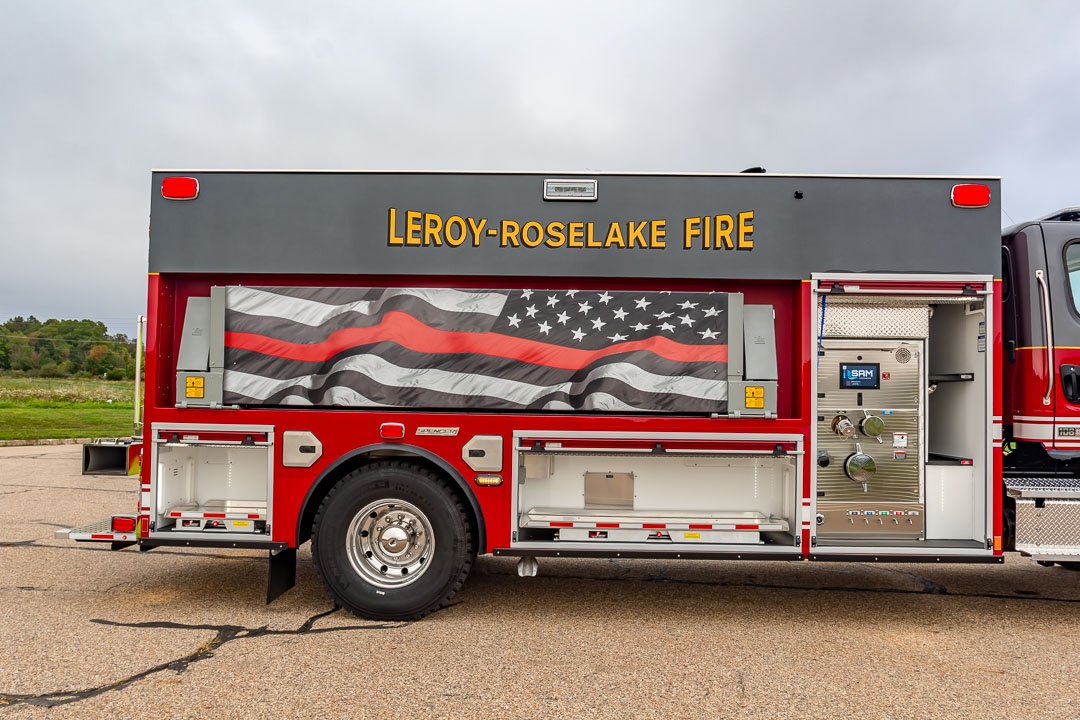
{"x":93,"y":95}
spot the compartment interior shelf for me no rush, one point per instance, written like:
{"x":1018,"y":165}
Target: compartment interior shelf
{"x":545,"y":517}
{"x":228,"y":509}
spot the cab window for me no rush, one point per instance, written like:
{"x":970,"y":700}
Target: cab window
{"x":1072,"y":267}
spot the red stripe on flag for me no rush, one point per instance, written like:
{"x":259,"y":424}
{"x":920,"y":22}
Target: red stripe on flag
{"x":410,"y":333}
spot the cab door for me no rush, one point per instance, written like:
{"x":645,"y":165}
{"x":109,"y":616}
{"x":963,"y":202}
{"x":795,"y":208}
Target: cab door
{"x":1027,"y":393}
{"x":1062,"y":246}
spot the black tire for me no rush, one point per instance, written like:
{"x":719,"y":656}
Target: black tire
{"x":392,"y":541}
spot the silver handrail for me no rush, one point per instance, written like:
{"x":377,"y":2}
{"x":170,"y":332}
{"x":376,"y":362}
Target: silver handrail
{"x":1040,"y":277}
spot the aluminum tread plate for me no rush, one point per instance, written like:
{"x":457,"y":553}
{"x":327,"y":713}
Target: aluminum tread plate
{"x":1043,"y":487}
{"x":100,"y":528}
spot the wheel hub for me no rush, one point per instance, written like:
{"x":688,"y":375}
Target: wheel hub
{"x":390,"y":543}
{"x":394,"y":541}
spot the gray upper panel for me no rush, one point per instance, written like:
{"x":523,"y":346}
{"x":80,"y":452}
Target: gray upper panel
{"x":499,"y":224}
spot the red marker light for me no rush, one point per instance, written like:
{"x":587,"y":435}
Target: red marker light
{"x":392,"y":431}
{"x":121,"y":524}
{"x":971,"y":196}
{"x":180,"y":188}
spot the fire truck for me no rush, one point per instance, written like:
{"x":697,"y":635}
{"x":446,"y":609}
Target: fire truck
{"x":412,"y":369}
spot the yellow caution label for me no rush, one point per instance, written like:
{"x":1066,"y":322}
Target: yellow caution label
{"x":755,"y":398}
{"x":240,"y":523}
{"x":691,"y":536}
{"x":194,"y":387}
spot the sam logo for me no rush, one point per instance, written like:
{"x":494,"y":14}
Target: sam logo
{"x":859,"y":374}
{"x":1069,"y":432}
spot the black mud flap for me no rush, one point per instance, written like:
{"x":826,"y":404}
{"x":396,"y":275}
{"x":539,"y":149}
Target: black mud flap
{"x":282,"y":575}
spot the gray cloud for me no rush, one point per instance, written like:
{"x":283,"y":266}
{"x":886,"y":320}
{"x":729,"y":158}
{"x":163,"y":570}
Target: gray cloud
{"x":97,"y":94}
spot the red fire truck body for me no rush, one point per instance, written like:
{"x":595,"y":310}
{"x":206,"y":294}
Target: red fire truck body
{"x":410,"y":369}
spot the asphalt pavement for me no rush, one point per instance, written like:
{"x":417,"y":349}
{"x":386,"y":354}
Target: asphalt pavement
{"x":181,"y":633}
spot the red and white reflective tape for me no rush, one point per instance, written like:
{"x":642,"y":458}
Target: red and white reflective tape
{"x":651,"y":526}
{"x":222,"y":516}
{"x":121,"y":537}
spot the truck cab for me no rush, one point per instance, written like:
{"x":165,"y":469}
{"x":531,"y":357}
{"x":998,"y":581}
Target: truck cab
{"x":1041,"y":383}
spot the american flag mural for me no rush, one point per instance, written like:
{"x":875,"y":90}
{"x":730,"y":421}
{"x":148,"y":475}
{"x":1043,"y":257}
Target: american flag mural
{"x":441,"y":348}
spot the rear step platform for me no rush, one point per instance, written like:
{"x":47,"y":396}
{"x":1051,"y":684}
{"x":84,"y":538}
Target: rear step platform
{"x":100,"y":531}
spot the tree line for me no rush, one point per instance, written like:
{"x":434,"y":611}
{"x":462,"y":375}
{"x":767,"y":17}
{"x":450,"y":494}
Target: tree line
{"x":65,"y":348}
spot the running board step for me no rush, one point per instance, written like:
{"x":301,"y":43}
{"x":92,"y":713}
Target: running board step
{"x":1042,"y":487}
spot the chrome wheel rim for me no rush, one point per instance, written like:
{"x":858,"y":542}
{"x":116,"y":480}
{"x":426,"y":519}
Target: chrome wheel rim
{"x":390,"y":543}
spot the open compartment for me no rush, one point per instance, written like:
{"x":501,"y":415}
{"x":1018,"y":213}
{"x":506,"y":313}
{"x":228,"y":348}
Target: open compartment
{"x":211,"y":480}
{"x":958,"y":427}
{"x":902,"y":407}
{"x":680,"y":493}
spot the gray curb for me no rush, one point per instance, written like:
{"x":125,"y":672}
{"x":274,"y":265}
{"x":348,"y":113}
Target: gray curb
{"x":61,"y":441}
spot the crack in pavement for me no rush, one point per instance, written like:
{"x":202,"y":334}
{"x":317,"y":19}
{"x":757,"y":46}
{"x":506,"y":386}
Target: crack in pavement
{"x":222,"y":634}
{"x":929,"y":586}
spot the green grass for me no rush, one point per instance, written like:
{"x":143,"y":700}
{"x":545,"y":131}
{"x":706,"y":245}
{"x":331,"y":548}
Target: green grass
{"x":48,"y":408}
